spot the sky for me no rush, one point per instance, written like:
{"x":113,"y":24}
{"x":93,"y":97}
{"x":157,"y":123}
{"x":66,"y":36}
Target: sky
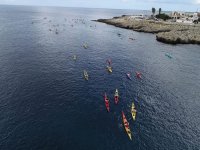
{"x":167,"y":5}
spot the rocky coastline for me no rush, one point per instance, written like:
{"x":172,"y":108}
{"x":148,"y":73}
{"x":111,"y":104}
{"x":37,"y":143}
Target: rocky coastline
{"x":166,"y":32}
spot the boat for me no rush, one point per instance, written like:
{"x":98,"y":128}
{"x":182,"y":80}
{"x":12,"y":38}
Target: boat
{"x":128,"y":76}
{"x":109,"y":69}
{"x":116,"y":96}
{"x":107,"y":102}
{"x":85,"y":75}
{"x":133,"y":111}
{"x":126,"y":125}
{"x":139,"y":75}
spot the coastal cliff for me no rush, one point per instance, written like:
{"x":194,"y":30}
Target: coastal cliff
{"x":167,"y":32}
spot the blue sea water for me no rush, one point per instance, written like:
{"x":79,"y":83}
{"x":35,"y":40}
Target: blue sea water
{"x":46,"y":104}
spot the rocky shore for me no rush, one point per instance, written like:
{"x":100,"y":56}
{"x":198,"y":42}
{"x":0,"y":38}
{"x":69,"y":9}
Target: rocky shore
{"x":166,"y":32}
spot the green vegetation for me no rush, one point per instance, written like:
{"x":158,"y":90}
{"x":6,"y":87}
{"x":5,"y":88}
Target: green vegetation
{"x":163,"y":16}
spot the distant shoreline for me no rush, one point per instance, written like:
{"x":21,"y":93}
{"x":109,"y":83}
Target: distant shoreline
{"x":166,"y":32}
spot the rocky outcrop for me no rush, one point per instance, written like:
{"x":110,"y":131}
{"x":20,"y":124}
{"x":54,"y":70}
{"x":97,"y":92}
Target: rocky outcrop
{"x":166,"y":32}
{"x":136,"y":25}
{"x":179,"y":37}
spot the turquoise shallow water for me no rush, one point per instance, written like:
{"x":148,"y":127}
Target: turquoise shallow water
{"x":46,"y":104}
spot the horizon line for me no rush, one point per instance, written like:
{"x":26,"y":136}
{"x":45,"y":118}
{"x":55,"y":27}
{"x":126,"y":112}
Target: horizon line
{"x":91,"y":7}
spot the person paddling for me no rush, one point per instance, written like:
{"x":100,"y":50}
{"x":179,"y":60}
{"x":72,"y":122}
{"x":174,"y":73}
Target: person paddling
{"x":109,"y":61}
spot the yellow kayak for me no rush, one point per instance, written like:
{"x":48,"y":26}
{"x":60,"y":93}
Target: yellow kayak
{"x":133,"y":111}
{"x":109,"y":69}
{"x":85,"y":74}
{"x":126,"y":125}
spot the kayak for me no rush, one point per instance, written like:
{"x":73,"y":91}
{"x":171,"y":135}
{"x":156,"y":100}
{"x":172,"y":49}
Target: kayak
{"x":133,"y":111}
{"x":106,"y":102}
{"x":109,"y":69}
{"x":139,"y":75}
{"x":126,"y":125}
{"x":116,"y":96}
{"x":128,"y":76}
{"x":85,"y":75}
{"x":85,"y":45}
{"x":74,"y":57}
{"x":132,"y":39}
{"x":109,"y":61}
{"x":168,"y":55}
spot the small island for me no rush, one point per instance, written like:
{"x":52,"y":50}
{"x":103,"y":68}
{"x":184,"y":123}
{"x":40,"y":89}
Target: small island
{"x":166,"y":29}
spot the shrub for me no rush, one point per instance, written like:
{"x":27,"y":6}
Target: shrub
{"x":163,"y":16}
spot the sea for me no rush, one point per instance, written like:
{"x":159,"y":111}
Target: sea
{"x":45,"y":103}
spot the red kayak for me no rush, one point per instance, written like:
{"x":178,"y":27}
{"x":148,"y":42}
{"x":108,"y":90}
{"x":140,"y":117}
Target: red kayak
{"x":106,"y":102}
{"x":139,"y":75}
{"x":116,"y":96}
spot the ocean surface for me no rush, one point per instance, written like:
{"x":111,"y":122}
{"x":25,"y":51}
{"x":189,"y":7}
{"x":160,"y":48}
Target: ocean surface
{"x":45,"y":103}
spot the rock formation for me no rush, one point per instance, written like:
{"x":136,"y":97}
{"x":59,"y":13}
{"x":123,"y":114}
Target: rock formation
{"x":167,"y":32}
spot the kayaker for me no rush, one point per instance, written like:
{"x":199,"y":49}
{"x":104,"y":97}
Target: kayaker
{"x":109,"y":61}
{"x":126,"y":124}
{"x":139,"y":75}
{"x":134,"y":110}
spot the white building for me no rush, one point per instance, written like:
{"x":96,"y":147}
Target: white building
{"x":177,"y":15}
{"x":195,"y":16}
{"x":137,"y":17}
{"x":182,"y":17}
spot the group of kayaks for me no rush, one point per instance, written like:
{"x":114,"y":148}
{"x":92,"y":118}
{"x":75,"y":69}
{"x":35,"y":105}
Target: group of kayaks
{"x":138,"y":75}
{"x":125,"y":121}
{"x":116,"y":97}
{"x":85,"y":74}
{"x":109,"y":68}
